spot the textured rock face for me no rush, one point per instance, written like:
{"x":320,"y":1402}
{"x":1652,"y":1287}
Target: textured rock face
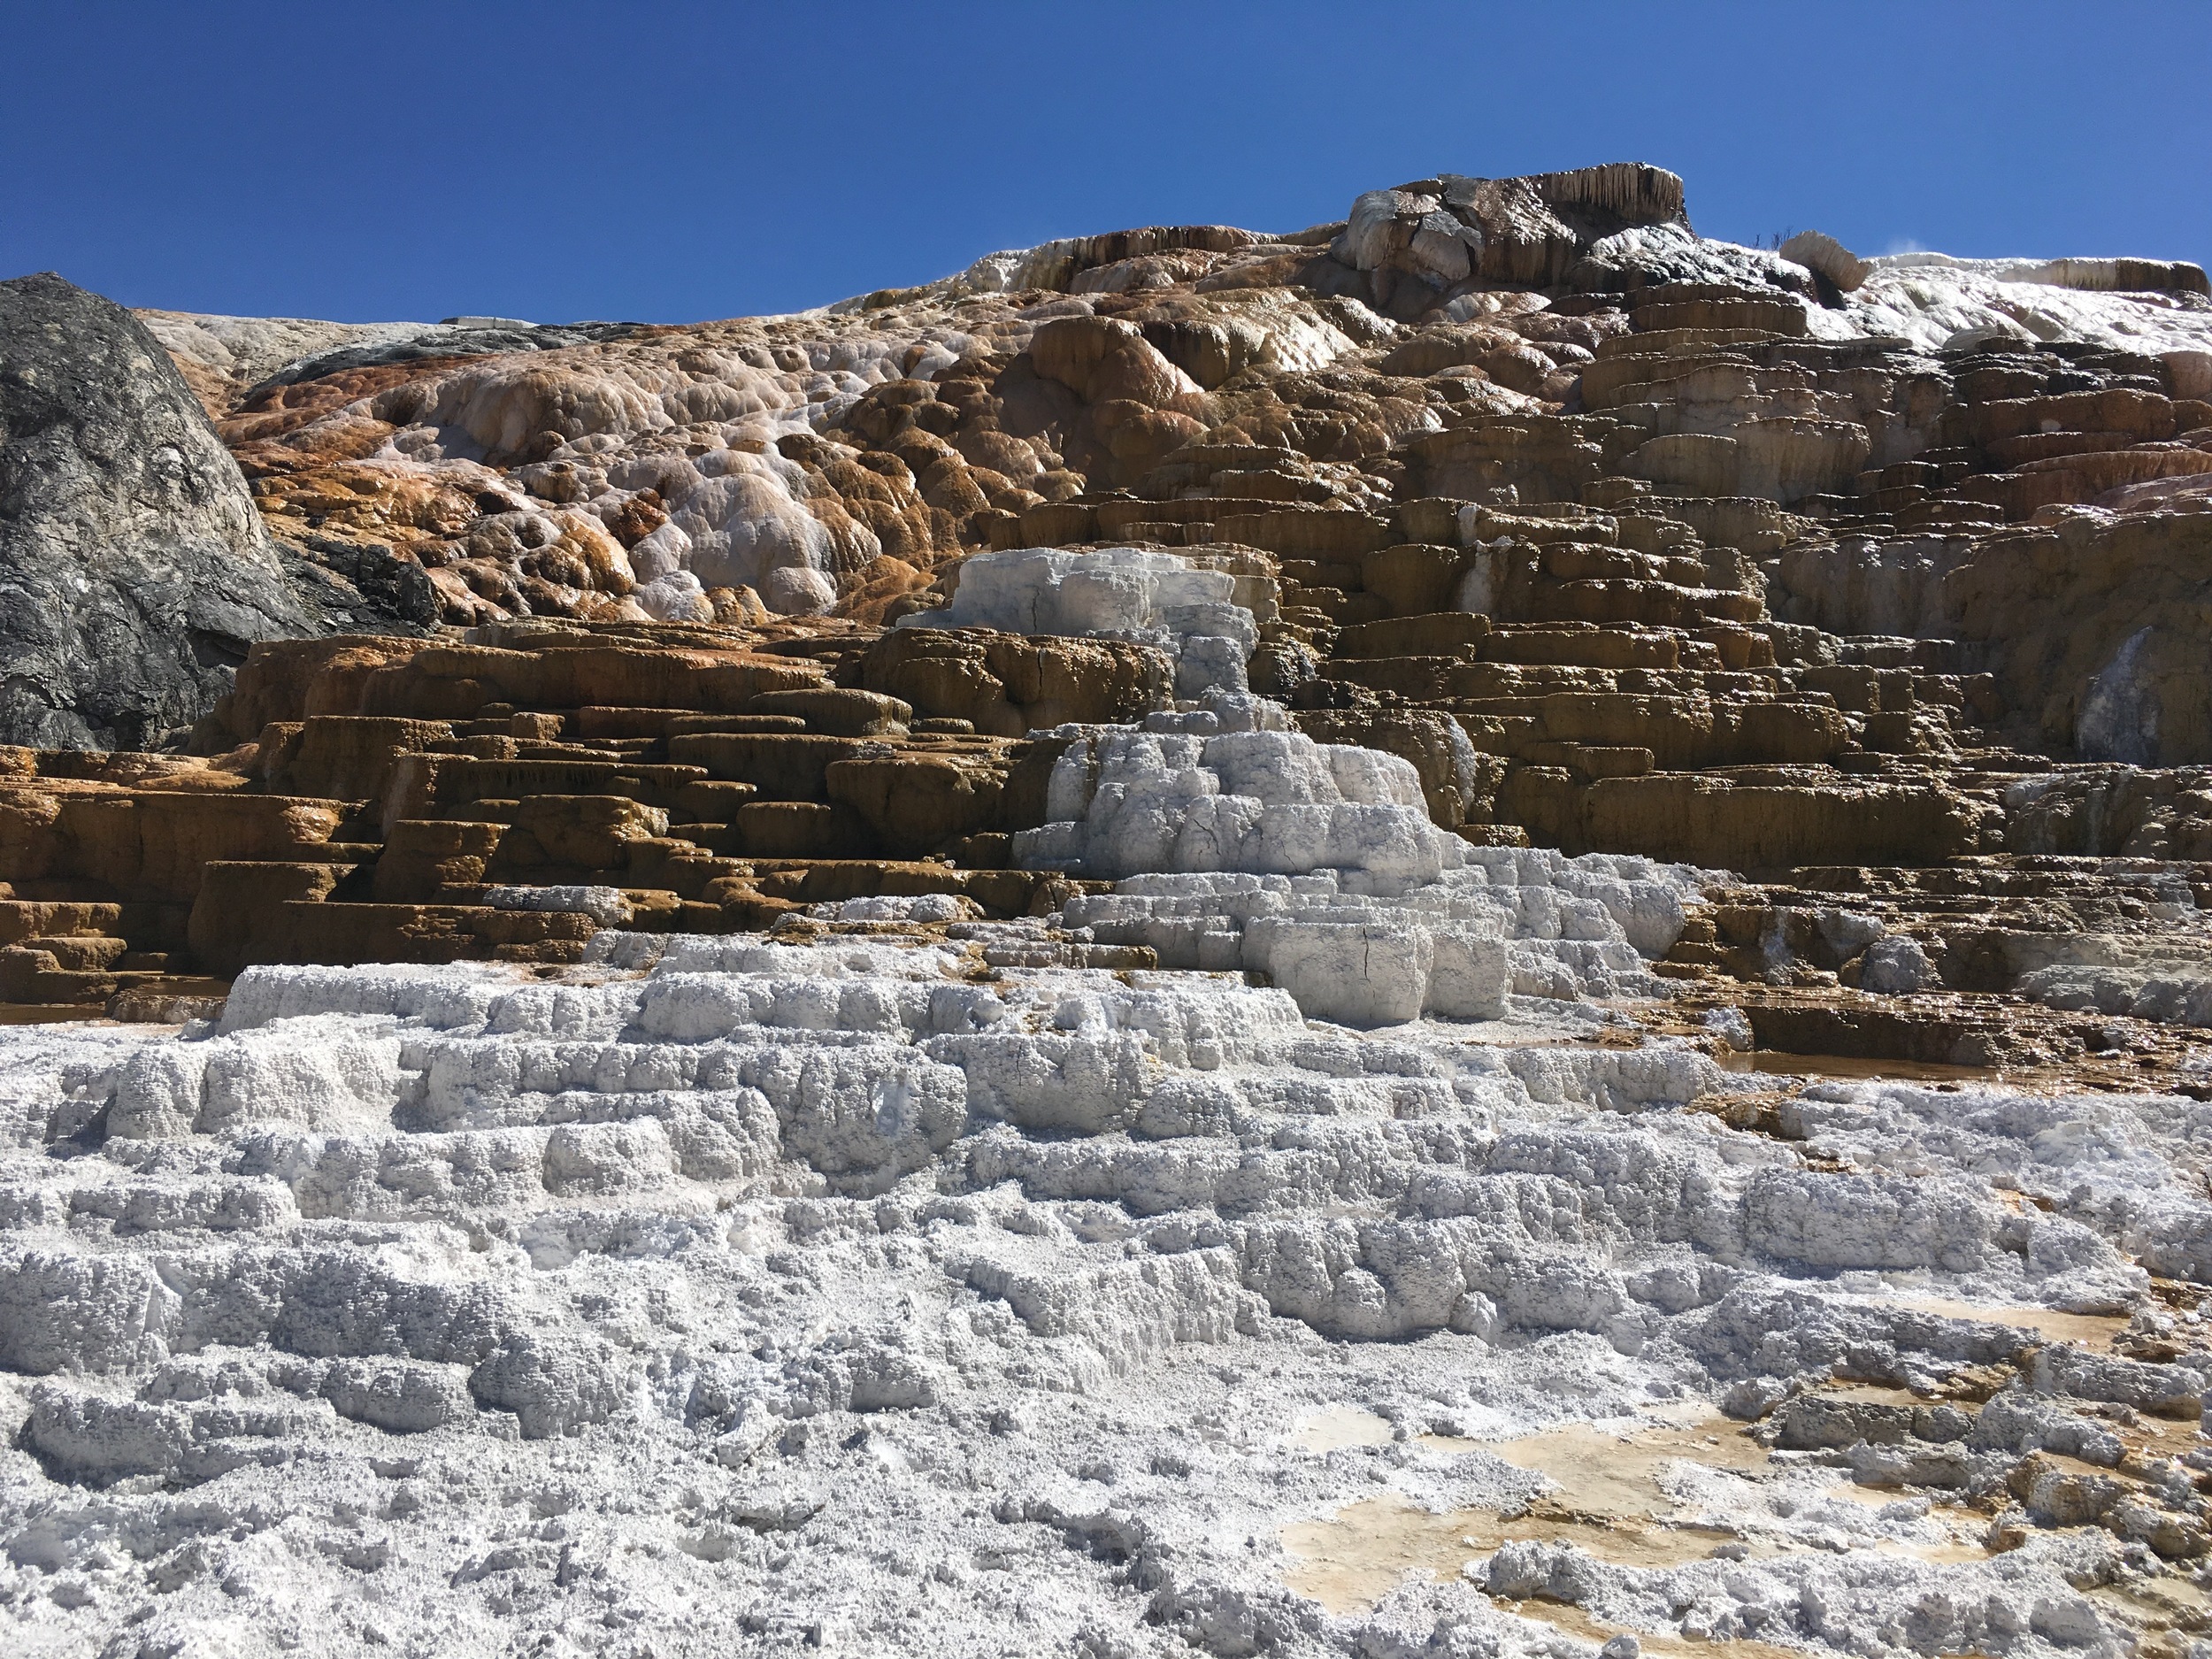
{"x":137,"y":571}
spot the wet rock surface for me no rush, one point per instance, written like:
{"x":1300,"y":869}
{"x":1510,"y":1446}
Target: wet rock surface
{"x":1479,"y":932}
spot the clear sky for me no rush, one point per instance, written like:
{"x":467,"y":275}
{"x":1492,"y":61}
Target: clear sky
{"x":668,"y":163}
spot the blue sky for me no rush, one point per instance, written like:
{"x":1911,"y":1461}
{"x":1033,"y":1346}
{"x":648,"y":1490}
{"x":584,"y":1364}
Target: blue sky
{"x":674,"y":162}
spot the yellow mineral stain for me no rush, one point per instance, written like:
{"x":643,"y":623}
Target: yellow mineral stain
{"x":2151,"y":1602}
{"x":1607,"y":1472}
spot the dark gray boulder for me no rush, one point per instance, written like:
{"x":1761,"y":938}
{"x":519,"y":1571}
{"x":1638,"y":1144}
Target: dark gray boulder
{"x":134,"y":572}
{"x":360,"y":587}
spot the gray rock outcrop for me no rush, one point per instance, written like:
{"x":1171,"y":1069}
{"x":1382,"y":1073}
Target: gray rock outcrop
{"x":134,"y":570}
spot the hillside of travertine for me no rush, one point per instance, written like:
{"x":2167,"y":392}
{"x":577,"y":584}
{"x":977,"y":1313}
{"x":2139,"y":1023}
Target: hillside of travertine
{"x":1486,"y":931}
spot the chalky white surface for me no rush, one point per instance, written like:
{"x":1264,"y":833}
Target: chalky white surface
{"x":1240,"y":843}
{"x":777,"y":1297}
{"x":1936,"y":300}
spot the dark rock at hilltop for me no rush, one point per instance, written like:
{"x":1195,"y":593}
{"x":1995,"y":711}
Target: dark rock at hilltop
{"x":134,"y":570}
{"x":456,"y":337}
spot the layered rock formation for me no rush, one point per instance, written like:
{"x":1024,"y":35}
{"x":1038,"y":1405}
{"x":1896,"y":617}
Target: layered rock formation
{"x":1477,"y":932}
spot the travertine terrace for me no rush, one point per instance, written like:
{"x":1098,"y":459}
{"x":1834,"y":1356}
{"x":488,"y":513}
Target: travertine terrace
{"x":1473,"y":932}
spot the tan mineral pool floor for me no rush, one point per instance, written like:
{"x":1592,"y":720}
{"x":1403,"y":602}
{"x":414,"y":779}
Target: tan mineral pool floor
{"x":53,"y":1014}
{"x":2091,"y":1330}
{"x":1610,"y":1503}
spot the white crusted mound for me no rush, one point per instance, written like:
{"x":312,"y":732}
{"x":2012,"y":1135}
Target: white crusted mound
{"x":1317,"y":865}
{"x":1936,"y":300}
{"x":837,"y":1297}
{"x":604,"y":905}
{"x":1511,"y":920}
{"x":1235,"y":787}
{"x":1114,"y":594}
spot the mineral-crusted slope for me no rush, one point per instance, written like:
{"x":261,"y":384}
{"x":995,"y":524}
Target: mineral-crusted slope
{"x":1479,"y":932}
{"x":1567,"y":339}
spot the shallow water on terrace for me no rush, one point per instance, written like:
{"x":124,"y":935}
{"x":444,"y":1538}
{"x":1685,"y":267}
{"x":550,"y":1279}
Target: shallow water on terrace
{"x":2091,"y":1330}
{"x":1602,"y":1471}
{"x":1778,"y":1062}
{"x":2154,"y":1602}
{"x":53,"y":1014}
{"x":1611,"y":1503}
{"x":1612,"y":1500}
{"x":1357,"y":1556}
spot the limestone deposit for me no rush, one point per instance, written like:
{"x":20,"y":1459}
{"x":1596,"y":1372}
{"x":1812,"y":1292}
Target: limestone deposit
{"x":1477,"y":932}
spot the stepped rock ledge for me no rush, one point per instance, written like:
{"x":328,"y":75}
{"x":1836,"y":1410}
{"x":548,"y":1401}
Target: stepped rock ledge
{"x":1481,"y":932}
